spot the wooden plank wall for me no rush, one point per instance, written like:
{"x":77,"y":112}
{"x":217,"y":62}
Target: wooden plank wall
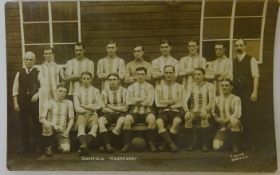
{"x":130,"y":23}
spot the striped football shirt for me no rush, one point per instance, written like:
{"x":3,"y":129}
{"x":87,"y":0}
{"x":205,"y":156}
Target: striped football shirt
{"x":229,"y":106}
{"x":188,"y":64}
{"x":76,"y":67}
{"x":58,"y":113}
{"x":137,"y":90}
{"x":116,"y":98}
{"x":199,"y":97}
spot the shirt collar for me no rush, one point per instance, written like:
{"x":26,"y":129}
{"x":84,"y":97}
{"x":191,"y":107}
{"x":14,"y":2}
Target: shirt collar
{"x":26,"y":70}
{"x":241,"y":56}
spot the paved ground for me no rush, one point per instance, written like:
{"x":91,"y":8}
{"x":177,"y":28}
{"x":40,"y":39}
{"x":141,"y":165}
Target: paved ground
{"x":146,"y":161}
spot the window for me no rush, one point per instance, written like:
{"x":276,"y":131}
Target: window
{"x":228,"y":21}
{"x":45,"y":24}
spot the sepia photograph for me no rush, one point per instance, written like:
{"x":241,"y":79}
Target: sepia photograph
{"x":162,"y":86}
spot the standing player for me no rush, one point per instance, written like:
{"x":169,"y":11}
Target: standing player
{"x":113,"y":110}
{"x":57,"y":119}
{"x":198,"y":105}
{"x":221,"y":67}
{"x":76,"y":66}
{"x":190,"y":62}
{"x":227,"y":113}
{"x":25,"y":96}
{"x":246,"y":83}
{"x":165,"y":59}
{"x":110,"y":64}
{"x":140,"y":97}
{"x":168,"y":98}
{"x":87,"y":101}
{"x":49,"y":76}
{"x":130,"y":70}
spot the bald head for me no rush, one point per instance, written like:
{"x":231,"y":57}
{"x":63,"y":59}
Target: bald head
{"x":29,"y":59}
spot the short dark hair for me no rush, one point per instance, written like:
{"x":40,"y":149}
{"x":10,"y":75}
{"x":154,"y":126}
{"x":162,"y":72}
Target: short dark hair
{"x":80,"y":44}
{"x":62,"y":85}
{"x":200,"y":69}
{"x":138,"y":45}
{"x":48,"y":48}
{"x":86,"y":73}
{"x":241,"y":39}
{"x":141,"y":69}
{"x":114,"y":75}
{"x":221,"y":43}
{"x":165,"y":41}
{"x":166,"y":66}
{"x":112,"y":42}
{"x":195,"y":40}
{"x":228,"y":80}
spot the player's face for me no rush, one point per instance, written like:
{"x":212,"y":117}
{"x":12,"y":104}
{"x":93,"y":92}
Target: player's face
{"x":86,"y":80}
{"x":192,"y":48}
{"x":29,"y":62}
{"x":138,"y":53}
{"x":219,"y":50}
{"x":48,"y":55}
{"x":79,"y":51}
{"x":114,"y":82}
{"x":169,"y":73}
{"x":111,"y":49}
{"x":198,"y":76}
{"x":240,"y":47}
{"x":140,"y":75}
{"x":61,"y":93}
{"x":165,"y":49}
{"x":226,"y":87}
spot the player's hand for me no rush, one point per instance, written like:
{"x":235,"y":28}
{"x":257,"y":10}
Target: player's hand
{"x":34,"y":98}
{"x":56,"y":127}
{"x":47,"y":124}
{"x":65,"y":134}
{"x":16,"y":107}
{"x":172,"y":102}
{"x":254,"y":97}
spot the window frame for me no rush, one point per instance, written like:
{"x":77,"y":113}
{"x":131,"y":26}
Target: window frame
{"x":232,"y":18}
{"x":50,"y":22}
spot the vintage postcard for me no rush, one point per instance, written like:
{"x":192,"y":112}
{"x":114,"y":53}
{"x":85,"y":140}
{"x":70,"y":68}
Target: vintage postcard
{"x":169,"y":86}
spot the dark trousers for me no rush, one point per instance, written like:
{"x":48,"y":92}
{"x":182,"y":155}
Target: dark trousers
{"x":248,"y":118}
{"x":30,"y":127}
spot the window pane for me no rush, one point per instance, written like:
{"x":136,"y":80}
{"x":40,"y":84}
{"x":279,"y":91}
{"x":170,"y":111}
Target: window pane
{"x":218,"y":8}
{"x":249,"y":8}
{"x":64,"y":11}
{"x":65,"y":32}
{"x":253,"y":48}
{"x":36,"y":33}
{"x":35,"y":11}
{"x":216,"y":28}
{"x":62,"y":53}
{"x":209,"y":49}
{"x":38,"y":50}
{"x":247,"y":27}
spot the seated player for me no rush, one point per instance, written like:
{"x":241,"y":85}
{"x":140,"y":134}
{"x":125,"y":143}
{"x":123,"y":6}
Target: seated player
{"x":227,"y":113}
{"x":57,"y":119}
{"x":113,"y":110}
{"x":168,"y":98}
{"x":140,"y":97}
{"x":198,"y":105}
{"x":87,"y":101}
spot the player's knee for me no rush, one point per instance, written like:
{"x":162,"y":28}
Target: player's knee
{"x":187,"y":116}
{"x":101,"y":121}
{"x":151,"y":118}
{"x":65,"y":147}
{"x":217,"y":144}
{"x":176,"y":121}
{"x":159,"y":122}
{"x":121,"y":120}
{"x":234,"y":122}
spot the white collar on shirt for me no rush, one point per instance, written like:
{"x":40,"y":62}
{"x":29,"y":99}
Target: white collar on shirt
{"x":240,"y":57}
{"x":26,"y":70}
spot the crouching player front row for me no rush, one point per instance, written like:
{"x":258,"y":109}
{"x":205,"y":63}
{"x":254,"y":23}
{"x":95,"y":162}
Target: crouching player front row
{"x":227,"y":113}
{"x":87,"y":100}
{"x":57,"y":119}
{"x":198,"y":105}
